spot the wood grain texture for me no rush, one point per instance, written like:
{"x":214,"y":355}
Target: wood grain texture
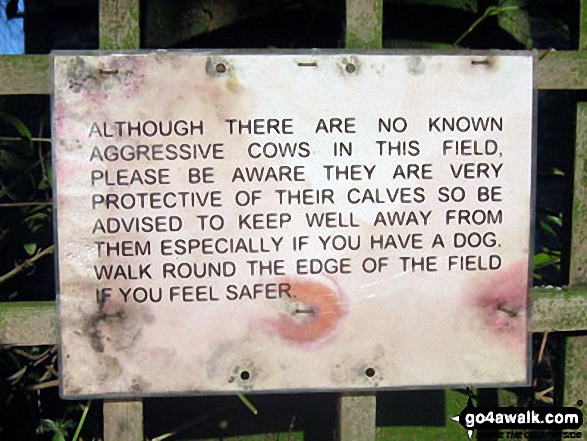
{"x":578,"y":270}
{"x":123,"y":420}
{"x":357,"y":417}
{"x":31,"y":74}
{"x":552,"y":309}
{"x":364,"y":19}
{"x":364,"y":30}
{"x":28,"y":323}
{"x":558,"y":310}
{"x":561,"y":70}
{"x":119,"y":24}
{"x":575,"y":379}
{"x":25,"y":74}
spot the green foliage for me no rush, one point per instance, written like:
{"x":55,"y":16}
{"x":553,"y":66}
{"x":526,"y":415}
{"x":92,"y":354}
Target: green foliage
{"x":25,"y":198}
{"x":465,"y":5}
{"x":58,"y":428}
{"x":489,"y":12}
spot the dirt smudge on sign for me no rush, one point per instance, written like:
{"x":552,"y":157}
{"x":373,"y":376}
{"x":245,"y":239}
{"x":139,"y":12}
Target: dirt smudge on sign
{"x":97,"y":79}
{"x":113,"y":326}
{"x":416,"y":65}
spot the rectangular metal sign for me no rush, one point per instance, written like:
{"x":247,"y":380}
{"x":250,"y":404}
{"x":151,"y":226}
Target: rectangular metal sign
{"x":268,"y":222}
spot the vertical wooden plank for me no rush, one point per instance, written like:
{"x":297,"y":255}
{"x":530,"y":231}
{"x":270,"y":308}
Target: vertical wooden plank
{"x":575,"y":387}
{"x":123,"y":420}
{"x":364,"y":20}
{"x":119,"y":24}
{"x":576,"y":373}
{"x":357,"y":417}
{"x":578,"y":270}
{"x":119,"y":29}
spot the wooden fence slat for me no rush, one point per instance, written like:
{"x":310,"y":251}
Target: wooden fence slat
{"x":561,"y":70}
{"x":364,"y":19}
{"x":578,"y":270}
{"x":575,"y":385}
{"x":120,"y":29}
{"x":28,"y":323}
{"x":123,"y":420}
{"x":35,"y":323}
{"x":576,"y":372}
{"x":30,"y":74}
{"x":357,"y":417}
{"x":557,"y":310}
{"x":119,"y":24}
{"x":364,"y":30}
{"x":25,"y":74}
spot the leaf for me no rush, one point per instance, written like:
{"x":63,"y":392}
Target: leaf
{"x":544,"y":226}
{"x":465,"y":5}
{"x":557,"y":220}
{"x":17,"y":124}
{"x":247,"y":403}
{"x":544,"y":259}
{"x":12,"y":161}
{"x":58,"y":437}
{"x":30,"y":248}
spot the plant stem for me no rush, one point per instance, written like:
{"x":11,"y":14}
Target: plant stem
{"x":17,"y":138}
{"x":81,"y":421}
{"x":247,"y":403}
{"x":27,"y":263}
{"x":23,"y":204}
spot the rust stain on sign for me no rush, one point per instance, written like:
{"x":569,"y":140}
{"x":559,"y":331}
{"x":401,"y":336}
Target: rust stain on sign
{"x":270,"y":222}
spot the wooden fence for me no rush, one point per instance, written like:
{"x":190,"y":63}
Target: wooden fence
{"x":552,"y":310}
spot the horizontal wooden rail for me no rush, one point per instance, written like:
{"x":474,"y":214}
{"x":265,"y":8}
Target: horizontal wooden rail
{"x":28,"y":323}
{"x":35,"y":323}
{"x":561,"y":70}
{"x":25,"y":74}
{"x":558,"y":310}
{"x":30,"y":74}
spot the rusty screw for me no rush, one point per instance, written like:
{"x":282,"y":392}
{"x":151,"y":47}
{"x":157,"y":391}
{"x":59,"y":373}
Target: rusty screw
{"x":220,"y":68}
{"x":105,"y":71}
{"x":350,"y":68}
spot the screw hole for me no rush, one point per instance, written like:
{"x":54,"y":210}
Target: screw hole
{"x":245,"y":375}
{"x":350,"y":68}
{"x":220,"y":68}
{"x":370,"y":372}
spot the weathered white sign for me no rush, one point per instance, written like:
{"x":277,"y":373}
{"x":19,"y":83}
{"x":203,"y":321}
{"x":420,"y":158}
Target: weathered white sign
{"x":232,"y":222}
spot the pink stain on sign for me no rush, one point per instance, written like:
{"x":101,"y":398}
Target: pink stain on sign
{"x":319,"y":308}
{"x":501,"y":302}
